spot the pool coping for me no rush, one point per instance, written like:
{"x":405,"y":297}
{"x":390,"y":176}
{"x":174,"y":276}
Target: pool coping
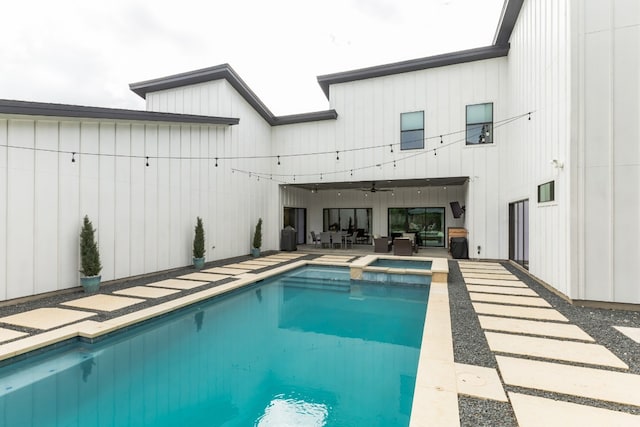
{"x":435,"y":400}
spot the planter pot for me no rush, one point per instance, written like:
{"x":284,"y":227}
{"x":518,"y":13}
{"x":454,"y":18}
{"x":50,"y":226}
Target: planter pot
{"x":198,"y":263}
{"x":255,"y":252}
{"x":91,"y":284}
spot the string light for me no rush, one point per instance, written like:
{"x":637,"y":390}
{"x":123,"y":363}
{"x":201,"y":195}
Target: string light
{"x":147,"y":158}
{"x":278,"y":160}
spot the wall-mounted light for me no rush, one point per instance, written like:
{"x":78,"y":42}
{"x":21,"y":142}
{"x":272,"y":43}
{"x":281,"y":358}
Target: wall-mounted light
{"x":557,"y":164}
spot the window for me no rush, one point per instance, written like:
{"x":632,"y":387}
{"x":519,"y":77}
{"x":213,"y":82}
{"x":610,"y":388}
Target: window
{"x":347,"y":219}
{"x":546,"y":192}
{"x":480,"y":124}
{"x":412,"y":130}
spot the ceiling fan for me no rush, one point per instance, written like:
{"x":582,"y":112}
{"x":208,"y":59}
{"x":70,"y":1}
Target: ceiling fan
{"x":373,"y":188}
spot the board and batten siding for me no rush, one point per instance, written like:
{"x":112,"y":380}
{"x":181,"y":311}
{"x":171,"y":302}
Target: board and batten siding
{"x":539,"y":81}
{"x":144,"y":215}
{"x":369,"y":115}
{"x":607,"y":146}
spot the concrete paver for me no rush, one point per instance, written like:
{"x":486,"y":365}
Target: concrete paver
{"x":495,"y":282}
{"x":509,"y":299}
{"x":574,"y":380}
{"x":555,"y":349}
{"x":204,"y":277}
{"x":103,"y":302}
{"x":633,"y":333}
{"x":533,"y":327}
{"x":146,"y":292}
{"x":502,"y":290}
{"x":534,"y":411}
{"x":46,"y":318}
{"x":480,"y":382}
{"x":178,"y":284}
{"x":522,"y":312}
{"x":10,"y":334}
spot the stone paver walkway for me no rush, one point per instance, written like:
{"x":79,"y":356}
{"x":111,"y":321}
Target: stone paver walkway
{"x":537,"y":349}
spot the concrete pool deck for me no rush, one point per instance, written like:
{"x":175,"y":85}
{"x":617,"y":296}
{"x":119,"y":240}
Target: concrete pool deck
{"x":543,"y":363}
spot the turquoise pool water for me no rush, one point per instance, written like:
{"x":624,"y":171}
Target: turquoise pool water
{"x":399,"y":263}
{"x":309,"y":348}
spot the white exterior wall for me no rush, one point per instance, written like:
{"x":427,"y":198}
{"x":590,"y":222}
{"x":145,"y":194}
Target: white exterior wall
{"x":248,"y":198}
{"x":539,"y":78}
{"x":144,"y":215}
{"x":607,"y":149}
{"x":369,"y":115}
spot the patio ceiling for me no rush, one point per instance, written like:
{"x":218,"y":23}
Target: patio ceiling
{"x":383,"y":184}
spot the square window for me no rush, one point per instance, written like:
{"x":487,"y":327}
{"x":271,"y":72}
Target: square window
{"x":412,"y":130}
{"x":546,"y":192}
{"x":480,"y":124}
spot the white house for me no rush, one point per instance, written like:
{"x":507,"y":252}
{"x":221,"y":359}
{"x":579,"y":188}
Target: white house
{"x":537,"y":136}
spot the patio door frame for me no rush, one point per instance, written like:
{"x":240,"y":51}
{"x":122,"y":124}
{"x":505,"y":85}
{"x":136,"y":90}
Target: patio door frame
{"x":519,"y":232}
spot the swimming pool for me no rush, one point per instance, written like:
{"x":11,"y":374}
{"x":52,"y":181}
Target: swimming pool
{"x":309,"y":347}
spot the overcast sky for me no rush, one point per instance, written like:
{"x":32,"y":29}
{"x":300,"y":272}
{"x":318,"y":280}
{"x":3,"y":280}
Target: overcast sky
{"x":87,"y":52}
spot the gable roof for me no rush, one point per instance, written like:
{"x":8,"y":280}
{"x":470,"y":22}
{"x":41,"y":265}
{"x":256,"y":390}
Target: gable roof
{"x":224,"y":71}
{"x":77,"y":111}
{"x":500,"y":47}
{"x":412,"y":65}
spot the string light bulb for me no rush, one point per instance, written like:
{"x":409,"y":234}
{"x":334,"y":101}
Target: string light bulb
{"x":216,"y":162}
{"x":147,"y":164}
{"x":278,"y":160}
{"x":337,"y":155}
{"x":73,"y":157}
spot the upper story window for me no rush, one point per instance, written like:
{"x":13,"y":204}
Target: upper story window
{"x":412,"y":130}
{"x":546,"y":192}
{"x":480,"y":124}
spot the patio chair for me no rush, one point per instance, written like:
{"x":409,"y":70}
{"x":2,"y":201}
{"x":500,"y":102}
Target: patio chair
{"x":403,"y":247}
{"x":381,"y":244}
{"x":348,"y":240}
{"x":325,"y":239}
{"x":315,"y":238}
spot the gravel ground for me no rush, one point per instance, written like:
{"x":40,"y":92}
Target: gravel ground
{"x":470,"y":347}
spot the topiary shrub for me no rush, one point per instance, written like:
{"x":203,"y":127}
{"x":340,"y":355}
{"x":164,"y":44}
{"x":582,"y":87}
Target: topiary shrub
{"x":198,"y":240}
{"x":89,"y":254}
{"x":257,"y":237}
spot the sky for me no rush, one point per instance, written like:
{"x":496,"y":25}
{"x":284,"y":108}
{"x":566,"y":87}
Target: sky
{"x":86,"y":52}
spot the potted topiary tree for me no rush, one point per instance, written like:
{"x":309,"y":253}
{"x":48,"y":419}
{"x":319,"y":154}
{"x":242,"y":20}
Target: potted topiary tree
{"x":257,"y":240}
{"x":198,"y":245}
{"x":89,"y":258}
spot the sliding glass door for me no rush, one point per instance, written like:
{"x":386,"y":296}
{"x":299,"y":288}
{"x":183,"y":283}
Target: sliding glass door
{"x":351,"y":220}
{"x":519,"y":232}
{"x":426,"y":223}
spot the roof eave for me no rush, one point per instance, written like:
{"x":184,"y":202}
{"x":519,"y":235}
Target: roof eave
{"x":27,"y":108}
{"x":507,"y":21}
{"x":443,"y":60}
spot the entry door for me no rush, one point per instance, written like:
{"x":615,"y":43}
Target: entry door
{"x":519,"y":232}
{"x":296,"y":218}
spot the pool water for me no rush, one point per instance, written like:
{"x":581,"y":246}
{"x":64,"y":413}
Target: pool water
{"x":400,"y":263}
{"x":308,"y":348}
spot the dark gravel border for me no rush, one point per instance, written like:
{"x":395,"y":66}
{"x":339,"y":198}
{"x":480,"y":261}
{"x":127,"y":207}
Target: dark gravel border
{"x":470,"y":347}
